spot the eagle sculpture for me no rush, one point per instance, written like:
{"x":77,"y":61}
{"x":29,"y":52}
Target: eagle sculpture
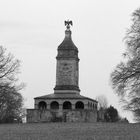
{"x":68,"y":23}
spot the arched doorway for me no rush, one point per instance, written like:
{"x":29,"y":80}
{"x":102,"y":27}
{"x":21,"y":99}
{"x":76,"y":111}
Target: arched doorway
{"x":67,"y":105}
{"x":54,"y":105}
{"x":42,"y":105}
{"x":79,"y":105}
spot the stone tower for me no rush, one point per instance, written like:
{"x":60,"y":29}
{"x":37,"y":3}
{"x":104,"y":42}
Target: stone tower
{"x":66,"y":104}
{"x":67,"y":71}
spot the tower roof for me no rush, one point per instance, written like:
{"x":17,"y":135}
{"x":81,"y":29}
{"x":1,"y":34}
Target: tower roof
{"x":67,"y":43}
{"x":64,"y":96}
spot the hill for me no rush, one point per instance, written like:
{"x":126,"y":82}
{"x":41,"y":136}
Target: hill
{"x":70,"y":131}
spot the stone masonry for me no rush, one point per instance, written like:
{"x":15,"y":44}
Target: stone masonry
{"x":66,"y":104}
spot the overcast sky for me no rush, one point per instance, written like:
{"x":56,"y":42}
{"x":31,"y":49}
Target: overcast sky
{"x":33,"y":29}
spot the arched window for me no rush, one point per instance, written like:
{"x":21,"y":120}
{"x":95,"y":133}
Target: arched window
{"x":67,"y":105}
{"x":42,"y":105}
{"x":93,"y":106}
{"x":79,"y":105}
{"x":54,"y":105}
{"x":88,"y":105}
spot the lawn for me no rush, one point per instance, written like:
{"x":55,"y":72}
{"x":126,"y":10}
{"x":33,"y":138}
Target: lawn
{"x":70,"y":131}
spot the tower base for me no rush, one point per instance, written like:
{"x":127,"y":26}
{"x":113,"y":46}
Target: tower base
{"x":36,"y":115}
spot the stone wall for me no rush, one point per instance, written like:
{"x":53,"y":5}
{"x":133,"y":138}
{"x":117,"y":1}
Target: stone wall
{"x":100,"y":115}
{"x":67,"y":72}
{"x":36,"y":115}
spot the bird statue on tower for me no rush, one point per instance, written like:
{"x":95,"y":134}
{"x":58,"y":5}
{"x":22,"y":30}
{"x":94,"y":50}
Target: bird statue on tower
{"x":68,"y":23}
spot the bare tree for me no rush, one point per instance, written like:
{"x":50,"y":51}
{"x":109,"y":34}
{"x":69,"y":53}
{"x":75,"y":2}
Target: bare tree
{"x":126,"y":76}
{"x":102,"y":102}
{"x":11,"y":100}
{"x":9,"y":67}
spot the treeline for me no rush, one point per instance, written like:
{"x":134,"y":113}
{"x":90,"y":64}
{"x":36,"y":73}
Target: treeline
{"x":107,"y":113}
{"x":110,"y":114}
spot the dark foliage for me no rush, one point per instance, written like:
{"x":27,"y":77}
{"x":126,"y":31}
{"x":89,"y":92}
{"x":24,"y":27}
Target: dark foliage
{"x":111,"y":114}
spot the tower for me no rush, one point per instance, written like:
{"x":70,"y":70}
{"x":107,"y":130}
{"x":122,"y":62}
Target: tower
{"x":66,"y":104}
{"x":67,"y":70}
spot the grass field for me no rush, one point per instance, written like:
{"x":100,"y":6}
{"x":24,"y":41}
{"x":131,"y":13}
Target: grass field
{"x":70,"y":131}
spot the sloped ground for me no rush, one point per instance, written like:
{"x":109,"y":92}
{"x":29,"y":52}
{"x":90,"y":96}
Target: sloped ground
{"x":70,"y":131}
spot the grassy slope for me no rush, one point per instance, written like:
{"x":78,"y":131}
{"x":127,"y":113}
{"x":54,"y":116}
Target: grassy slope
{"x":70,"y":131}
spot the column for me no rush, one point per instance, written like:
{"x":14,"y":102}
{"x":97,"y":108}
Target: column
{"x":73,"y":106}
{"x":48,"y":106}
{"x":60,"y":106}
